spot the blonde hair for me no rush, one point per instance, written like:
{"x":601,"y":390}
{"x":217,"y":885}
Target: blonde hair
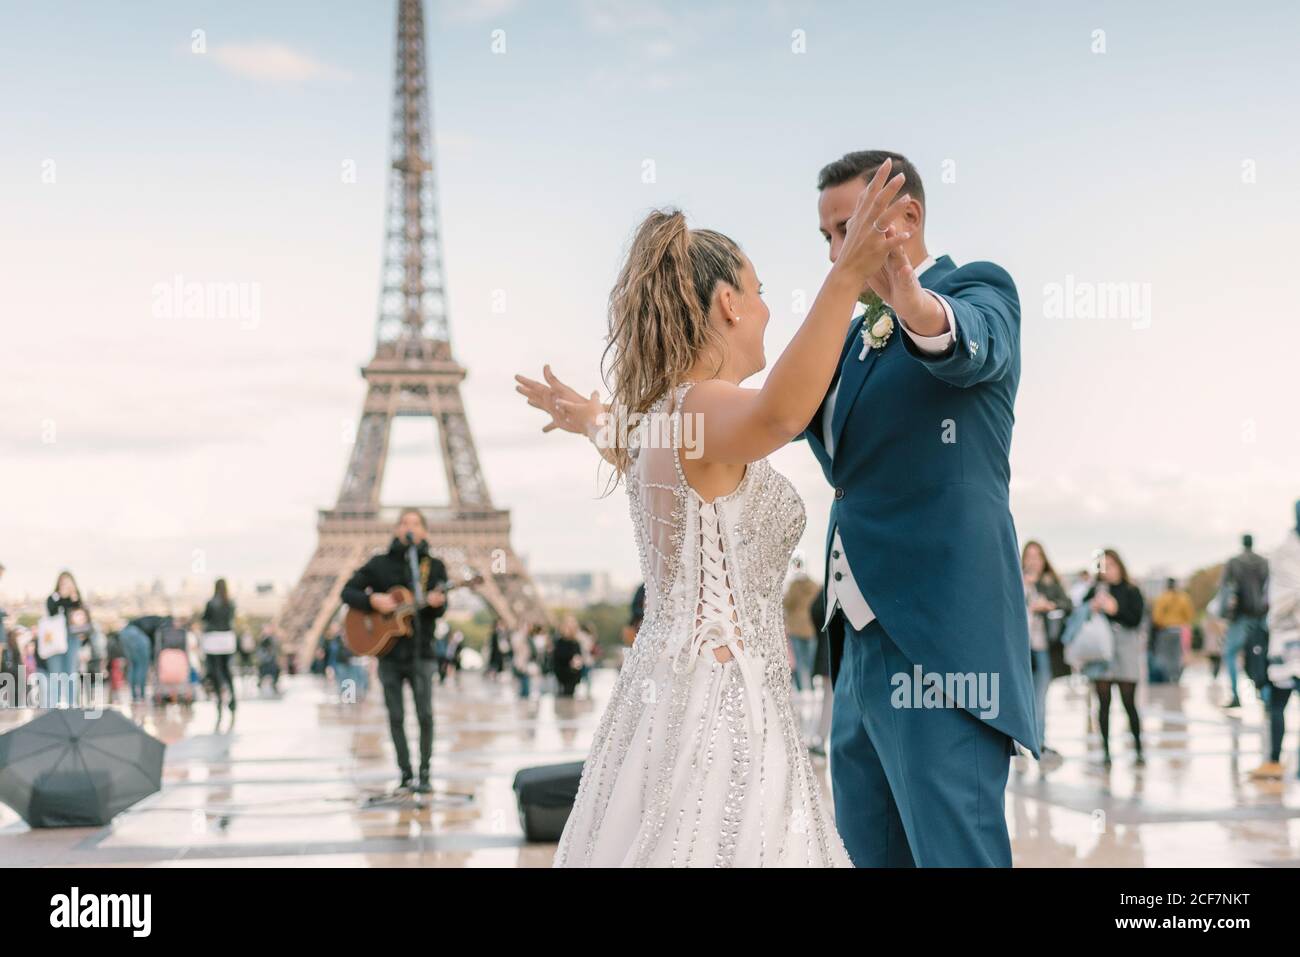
{"x":659,"y":311}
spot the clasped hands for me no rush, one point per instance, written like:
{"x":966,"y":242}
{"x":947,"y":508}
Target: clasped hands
{"x":1105,"y":603}
{"x":879,"y":226}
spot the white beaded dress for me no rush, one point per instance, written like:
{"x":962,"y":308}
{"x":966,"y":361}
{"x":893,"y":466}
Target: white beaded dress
{"x":696,"y":762}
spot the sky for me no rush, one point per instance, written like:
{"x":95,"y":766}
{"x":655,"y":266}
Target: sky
{"x":1087,"y":148}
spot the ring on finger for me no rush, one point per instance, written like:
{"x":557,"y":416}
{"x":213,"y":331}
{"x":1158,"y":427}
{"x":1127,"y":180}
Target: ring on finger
{"x":876,"y":227}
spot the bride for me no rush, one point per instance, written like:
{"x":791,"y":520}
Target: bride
{"x":697,"y":759}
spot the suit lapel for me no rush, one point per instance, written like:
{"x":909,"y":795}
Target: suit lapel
{"x":845,"y":352}
{"x":854,"y":372}
{"x":855,"y":329}
{"x":851,"y":380}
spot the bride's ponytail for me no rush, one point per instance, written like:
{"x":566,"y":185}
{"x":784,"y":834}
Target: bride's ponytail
{"x":659,"y":311}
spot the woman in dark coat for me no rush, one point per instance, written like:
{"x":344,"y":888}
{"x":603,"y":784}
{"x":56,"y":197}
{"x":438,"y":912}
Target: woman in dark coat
{"x":63,"y":668}
{"x":567,"y":657}
{"x":218,"y":636}
{"x":1121,"y":602}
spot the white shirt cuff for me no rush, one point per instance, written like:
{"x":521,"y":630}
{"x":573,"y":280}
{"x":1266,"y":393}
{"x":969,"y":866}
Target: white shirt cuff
{"x":935,"y":345}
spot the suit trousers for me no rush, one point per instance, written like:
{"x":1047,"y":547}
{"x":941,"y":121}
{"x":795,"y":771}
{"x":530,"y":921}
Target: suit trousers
{"x":913,"y":786}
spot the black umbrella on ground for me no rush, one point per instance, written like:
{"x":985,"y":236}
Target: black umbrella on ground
{"x":70,"y":769}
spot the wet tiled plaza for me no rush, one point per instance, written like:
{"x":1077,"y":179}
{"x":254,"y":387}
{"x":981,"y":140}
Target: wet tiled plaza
{"x":303,"y":780}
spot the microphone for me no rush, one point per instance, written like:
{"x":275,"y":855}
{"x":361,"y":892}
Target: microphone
{"x":417,"y":588}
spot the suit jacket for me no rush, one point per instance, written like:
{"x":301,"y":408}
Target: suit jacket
{"x":921,"y":475}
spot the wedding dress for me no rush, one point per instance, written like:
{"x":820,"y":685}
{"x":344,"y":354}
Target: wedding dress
{"x":696,"y":762}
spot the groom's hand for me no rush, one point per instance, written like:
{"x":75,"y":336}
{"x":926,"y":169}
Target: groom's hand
{"x":896,"y":284}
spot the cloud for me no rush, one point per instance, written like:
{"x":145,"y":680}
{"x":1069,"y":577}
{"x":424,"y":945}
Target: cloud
{"x":273,"y":62}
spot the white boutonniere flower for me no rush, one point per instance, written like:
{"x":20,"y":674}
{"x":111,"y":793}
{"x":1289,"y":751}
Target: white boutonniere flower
{"x":877,"y":324}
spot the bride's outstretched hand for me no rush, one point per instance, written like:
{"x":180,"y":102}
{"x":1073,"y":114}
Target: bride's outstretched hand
{"x":871,"y":235}
{"x":565,"y":405}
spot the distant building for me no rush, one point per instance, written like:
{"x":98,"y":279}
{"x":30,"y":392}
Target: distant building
{"x":576,"y":589}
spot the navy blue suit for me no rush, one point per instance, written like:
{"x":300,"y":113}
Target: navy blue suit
{"x":921,"y":473}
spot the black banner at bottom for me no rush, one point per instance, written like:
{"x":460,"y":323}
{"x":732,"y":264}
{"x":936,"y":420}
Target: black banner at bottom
{"x":340,"y":906}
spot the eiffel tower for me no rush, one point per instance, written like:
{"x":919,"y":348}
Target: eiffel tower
{"x":412,"y":373}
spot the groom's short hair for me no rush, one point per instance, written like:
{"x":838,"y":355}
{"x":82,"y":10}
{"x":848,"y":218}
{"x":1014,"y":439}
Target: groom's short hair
{"x":864,"y":163}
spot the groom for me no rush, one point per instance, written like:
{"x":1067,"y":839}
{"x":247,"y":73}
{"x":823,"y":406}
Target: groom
{"x":929,"y":638}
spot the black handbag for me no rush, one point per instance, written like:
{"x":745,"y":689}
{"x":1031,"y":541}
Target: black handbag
{"x":1056,"y":652}
{"x":1256,"y":652}
{"x":1056,"y":647}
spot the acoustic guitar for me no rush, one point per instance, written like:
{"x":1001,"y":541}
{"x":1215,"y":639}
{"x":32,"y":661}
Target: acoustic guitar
{"x":376,"y":633}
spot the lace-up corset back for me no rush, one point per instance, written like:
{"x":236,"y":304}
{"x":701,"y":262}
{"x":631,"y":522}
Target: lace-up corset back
{"x":717,"y":623}
{"x":709,"y":567}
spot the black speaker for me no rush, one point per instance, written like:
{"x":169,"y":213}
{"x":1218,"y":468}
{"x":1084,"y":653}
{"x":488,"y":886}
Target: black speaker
{"x":545,"y":797}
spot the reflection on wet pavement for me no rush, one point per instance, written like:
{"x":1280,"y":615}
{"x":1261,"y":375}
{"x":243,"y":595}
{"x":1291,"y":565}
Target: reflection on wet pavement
{"x":302,"y":781}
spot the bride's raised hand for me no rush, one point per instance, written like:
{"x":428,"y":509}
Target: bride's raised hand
{"x":871,"y":234}
{"x":567,"y":408}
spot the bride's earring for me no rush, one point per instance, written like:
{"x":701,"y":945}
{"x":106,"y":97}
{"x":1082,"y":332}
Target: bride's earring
{"x":736,"y":319}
